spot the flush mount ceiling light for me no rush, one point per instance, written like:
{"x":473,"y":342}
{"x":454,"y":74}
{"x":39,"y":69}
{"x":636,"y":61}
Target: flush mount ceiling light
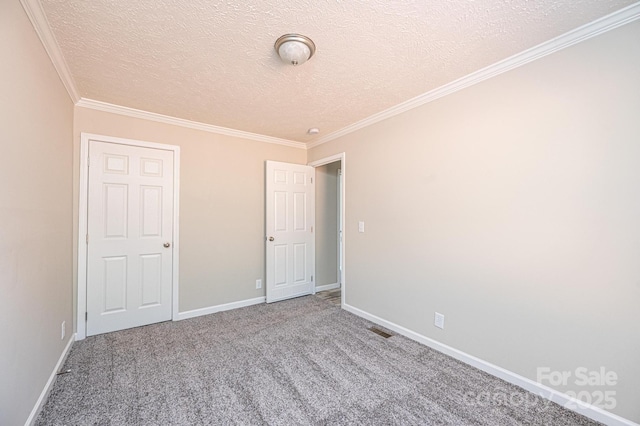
{"x":295,"y":49}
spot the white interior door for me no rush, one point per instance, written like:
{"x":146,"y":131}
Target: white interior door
{"x":290,"y":241}
{"x":130,"y":221}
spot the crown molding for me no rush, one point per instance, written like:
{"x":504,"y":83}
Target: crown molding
{"x":614,"y":20}
{"x":607,"y":23}
{"x":38,"y":19}
{"x":160,"y":118}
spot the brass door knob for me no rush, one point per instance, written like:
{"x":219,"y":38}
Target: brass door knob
{"x":271,"y":238}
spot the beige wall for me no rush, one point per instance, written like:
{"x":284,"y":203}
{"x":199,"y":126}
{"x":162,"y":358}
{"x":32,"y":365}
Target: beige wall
{"x":36,"y":116}
{"x":512,"y":207}
{"x":221,"y":203}
{"x":327,"y":224}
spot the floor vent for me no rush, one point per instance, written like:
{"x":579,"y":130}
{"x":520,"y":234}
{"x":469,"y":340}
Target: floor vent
{"x":380,"y":332}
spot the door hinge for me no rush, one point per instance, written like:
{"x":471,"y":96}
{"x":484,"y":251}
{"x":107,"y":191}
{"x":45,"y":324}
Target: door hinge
{"x":311,"y":180}
{"x":312,"y":229}
{"x":88,"y":161}
{"x":87,"y":238}
{"x":86,"y":316}
{"x":311,"y":278}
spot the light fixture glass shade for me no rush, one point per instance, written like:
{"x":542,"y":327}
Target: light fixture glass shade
{"x":294,"y":52}
{"x":295,"y":49}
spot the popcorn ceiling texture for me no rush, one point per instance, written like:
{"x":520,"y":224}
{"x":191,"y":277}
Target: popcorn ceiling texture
{"x":214,"y":62}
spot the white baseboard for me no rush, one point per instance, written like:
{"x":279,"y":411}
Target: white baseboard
{"x":587,"y":410}
{"x":49,"y":385}
{"x":327,"y":287}
{"x":219,"y":308}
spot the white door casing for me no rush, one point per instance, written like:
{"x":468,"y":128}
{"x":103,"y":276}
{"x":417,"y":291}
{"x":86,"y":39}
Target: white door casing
{"x":342,"y":157}
{"x":129,"y":236}
{"x":340,"y":226}
{"x":290,"y":240}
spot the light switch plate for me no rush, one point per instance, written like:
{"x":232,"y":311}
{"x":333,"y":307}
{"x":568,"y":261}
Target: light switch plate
{"x":439,"y":320}
{"x":361,"y":226}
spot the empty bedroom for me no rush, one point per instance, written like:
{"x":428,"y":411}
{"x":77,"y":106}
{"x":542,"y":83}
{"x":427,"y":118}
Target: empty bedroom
{"x":320,"y":212}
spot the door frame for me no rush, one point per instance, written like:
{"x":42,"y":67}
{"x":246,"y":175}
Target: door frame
{"x":342,"y":157}
{"x":83,"y":209}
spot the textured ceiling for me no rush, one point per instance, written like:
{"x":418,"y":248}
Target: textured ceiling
{"x":214,"y":62}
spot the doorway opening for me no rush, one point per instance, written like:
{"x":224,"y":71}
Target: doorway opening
{"x":330,"y":238}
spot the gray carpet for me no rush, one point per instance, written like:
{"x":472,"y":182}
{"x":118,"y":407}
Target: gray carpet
{"x":298,"y":362}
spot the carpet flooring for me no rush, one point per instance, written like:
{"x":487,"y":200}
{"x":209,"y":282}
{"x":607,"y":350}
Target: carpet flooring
{"x":298,"y":362}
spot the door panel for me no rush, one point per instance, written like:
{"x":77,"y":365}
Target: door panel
{"x":299,"y":262}
{"x":151,"y":211}
{"x":130,"y":217}
{"x":151,"y":278}
{"x":115,"y":284}
{"x":299,"y":211}
{"x":115,"y":210}
{"x":290,"y":199}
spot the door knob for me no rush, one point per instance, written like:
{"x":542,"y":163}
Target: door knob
{"x":271,"y":238}
{"x":167,"y":245}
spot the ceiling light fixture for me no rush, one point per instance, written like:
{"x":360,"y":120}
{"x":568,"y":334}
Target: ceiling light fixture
{"x":295,"y":49}
{"x":313,"y":131}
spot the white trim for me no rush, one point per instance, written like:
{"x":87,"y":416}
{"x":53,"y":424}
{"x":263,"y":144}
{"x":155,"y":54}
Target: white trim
{"x":81,"y":308}
{"x":585,"y":32}
{"x":327,"y":160}
{"x":326,"y":287}
{"x":340,"y":226}
{"x":175,"y":293}
{"x":49,"y":385}
{"x":543,"y":391}
{"x":160,"y":118}
{"x":219,"y":308}
{"x":342,"y":157}
{"x":40,"y":23}
{"x":614,"y":20}
{"x":83,"y":226}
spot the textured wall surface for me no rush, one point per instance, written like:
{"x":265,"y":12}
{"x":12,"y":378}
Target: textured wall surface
{"x":36,"y":119}
{"x":214,"y":62}
{"x":511,"y":207}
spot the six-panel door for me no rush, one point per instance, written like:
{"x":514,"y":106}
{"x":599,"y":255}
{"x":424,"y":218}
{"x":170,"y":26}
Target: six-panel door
{"x":130,"y":221}
{"x":290,"y":200}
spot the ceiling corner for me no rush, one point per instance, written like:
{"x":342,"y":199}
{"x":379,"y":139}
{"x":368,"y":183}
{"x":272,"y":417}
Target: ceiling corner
{"x":38,"y":19}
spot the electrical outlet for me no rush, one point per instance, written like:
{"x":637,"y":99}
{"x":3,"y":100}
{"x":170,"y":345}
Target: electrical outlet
{"x":258,"y":284}
{"x":62,"y":326}
{"x":439,"y":321}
